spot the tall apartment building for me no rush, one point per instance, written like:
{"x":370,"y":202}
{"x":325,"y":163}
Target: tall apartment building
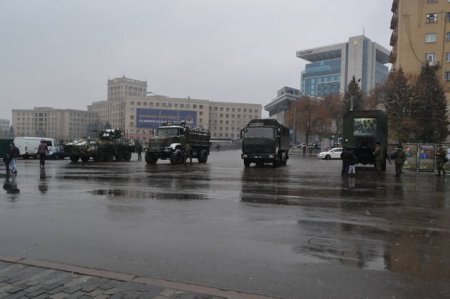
{"x":331,"y":68}
{"x":421,"y":33}
{"x":4,"y":125}
{"x":49,"y":122}
{"x":131,"y":108}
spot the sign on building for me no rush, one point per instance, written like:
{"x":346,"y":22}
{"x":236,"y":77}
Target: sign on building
{"x":152,"y":118}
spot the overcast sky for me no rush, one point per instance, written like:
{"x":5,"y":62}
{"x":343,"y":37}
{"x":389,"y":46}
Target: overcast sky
{"x":60,"y":53}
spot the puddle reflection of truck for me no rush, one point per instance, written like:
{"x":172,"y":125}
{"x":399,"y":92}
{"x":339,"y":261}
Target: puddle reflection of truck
{"x":265,"y":141}
{"x":362,"y":129}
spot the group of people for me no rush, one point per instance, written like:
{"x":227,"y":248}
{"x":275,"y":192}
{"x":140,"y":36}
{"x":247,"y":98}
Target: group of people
{"x":13,"y":153}
{"x":349,"y":160}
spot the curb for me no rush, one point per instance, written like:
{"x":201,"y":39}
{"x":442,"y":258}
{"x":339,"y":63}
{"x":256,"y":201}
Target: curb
{"x":133,"y":278}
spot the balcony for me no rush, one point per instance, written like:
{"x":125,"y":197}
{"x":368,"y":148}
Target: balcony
{"x":394,"y":21}
{"x":393,"y":40}
{"x":394,"y":8}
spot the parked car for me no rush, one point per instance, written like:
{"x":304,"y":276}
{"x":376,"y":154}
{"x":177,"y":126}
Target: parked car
{"x":56,"y":152}
{"x":334,"y":153}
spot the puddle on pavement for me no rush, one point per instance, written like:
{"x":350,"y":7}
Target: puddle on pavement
{"x":121,"y":193}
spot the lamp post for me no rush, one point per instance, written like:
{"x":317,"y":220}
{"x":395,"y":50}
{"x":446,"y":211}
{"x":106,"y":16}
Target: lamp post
{"x":293,"y":126}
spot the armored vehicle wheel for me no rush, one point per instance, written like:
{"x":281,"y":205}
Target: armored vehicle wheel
{"x":74,"y":158}
{"x":127,"y":156}
{"x":151,"y":159}
{"x":177,"y":157}
{"x":99,"y":157}
{"x":286,"y":157}
{"x":85,"y":158}
{"x":203,"y":157}
{"x":246,"y":163}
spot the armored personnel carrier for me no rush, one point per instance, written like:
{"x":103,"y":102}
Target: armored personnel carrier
{"x":108,"y":145}
{"x":177,"y":142}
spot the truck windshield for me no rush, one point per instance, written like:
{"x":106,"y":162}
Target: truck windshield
{"x":165,"y":132}
{"x":259,"y":132}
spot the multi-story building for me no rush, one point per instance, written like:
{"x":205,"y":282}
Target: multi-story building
{"x":280,"y":105}
{"x":49,"y":122}
{"x":4,"y":125}
{"x":421,"y":34}
{"x":139,"y":113}
{"x":331,"y":68}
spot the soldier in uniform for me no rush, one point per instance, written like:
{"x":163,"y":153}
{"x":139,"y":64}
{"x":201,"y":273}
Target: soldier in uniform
{"x":441,"y":159}
{"x":400,"y":158}
{"x":378,"y":156}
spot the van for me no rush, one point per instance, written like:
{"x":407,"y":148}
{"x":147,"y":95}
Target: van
{"x":28,"y":146}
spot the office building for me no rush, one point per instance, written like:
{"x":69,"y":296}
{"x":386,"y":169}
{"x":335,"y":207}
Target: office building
{"x":63,"y":124}
{"x":131,"y":108}
{"x":4,"y":125}
{"x":280,"y":105}
{"x":330,"y":68}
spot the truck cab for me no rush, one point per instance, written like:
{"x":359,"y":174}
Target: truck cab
{"x":265,"y":141}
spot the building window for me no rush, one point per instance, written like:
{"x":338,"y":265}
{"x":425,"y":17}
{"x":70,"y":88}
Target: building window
{"x":432,"y":17}
{"x":447,"y":36}
{"x":447,"y":76}
{"x":430,"y":38}
{"x":448,"y":16}
{"x":432,"y":1}
{"x":430,"y":57}
{"x":447,"y":55}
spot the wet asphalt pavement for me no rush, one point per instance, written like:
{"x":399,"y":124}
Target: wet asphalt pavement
{"x":299,"y":231}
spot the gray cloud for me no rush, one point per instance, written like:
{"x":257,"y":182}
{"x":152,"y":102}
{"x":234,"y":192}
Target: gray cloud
{"x":60,"y":53}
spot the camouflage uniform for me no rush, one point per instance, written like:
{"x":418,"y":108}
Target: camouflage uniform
{"x":400,"y":159}
{"x":440,"y":160}
{"x":378,"y":156}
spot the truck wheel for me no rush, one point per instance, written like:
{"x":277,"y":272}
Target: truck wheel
{"x":118,"y":157}
{"x":278,"y":159}
{"x":177,"y":157}
{"x":286,"y":157}
{"x":203,"y":157}
{"x":151,"y":159}
{"x":85,"y":158}
{"x":127,"y":156}
{"x":74,"y":158}
{"x":246,"y":163}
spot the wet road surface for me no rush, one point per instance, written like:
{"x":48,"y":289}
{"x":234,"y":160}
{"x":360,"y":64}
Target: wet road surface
{"x":298,"y":231}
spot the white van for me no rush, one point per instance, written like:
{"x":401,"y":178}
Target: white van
{"x":28,"y":146}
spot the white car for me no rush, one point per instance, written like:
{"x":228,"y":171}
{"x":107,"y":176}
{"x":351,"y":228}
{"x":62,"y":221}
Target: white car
{"x":334,"y":153}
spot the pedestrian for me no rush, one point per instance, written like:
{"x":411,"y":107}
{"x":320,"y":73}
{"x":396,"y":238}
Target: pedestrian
{"x":441,"y":159}
{"x":139,"y":149}
{"x":188,"y":153}
{"x":399,"y":160}
{"x":13,"y":155}
{"x":304,"y":149}
{"x":378,"y":156}
{"x":7,"y":160}
{"x":345,"y":157}
{"x":42,"y":152}
{"x":353,"y":160}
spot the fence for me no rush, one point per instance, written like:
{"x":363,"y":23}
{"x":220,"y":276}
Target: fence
{"x":422,"y":157}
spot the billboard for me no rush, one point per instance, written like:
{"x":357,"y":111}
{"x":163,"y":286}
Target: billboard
{"x":152,"y":118}
{"x":365,"y":127}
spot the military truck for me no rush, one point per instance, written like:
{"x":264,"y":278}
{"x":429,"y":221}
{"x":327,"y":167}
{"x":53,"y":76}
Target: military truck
{"x":176,"y":141}
{"x":108,"y":145}
{"x":265,"y":141}
{"x":4,"y":146}
{"x":362,"y":130}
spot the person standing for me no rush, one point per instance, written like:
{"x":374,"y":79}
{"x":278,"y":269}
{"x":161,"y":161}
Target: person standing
{"x":42,"y":152}
{"x":345,"y":157}
{"x":304,"y":149}
{"x":352,"y":163}
{"x":378,"y":155}
{"x":13,"y":155}
{"x":441,"y":159}
{"x":400,"y":158}
{"x":139,"y":149}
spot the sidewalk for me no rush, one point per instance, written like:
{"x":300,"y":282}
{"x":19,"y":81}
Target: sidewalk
{"x":28,"y":278}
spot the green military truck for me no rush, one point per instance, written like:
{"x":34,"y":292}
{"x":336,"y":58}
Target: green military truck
{"x":362,"y":130}
{"x":177,"y":142}
{"x":108,"y":145}
{"x":265,"y":141}
{"x":4,"y":146}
